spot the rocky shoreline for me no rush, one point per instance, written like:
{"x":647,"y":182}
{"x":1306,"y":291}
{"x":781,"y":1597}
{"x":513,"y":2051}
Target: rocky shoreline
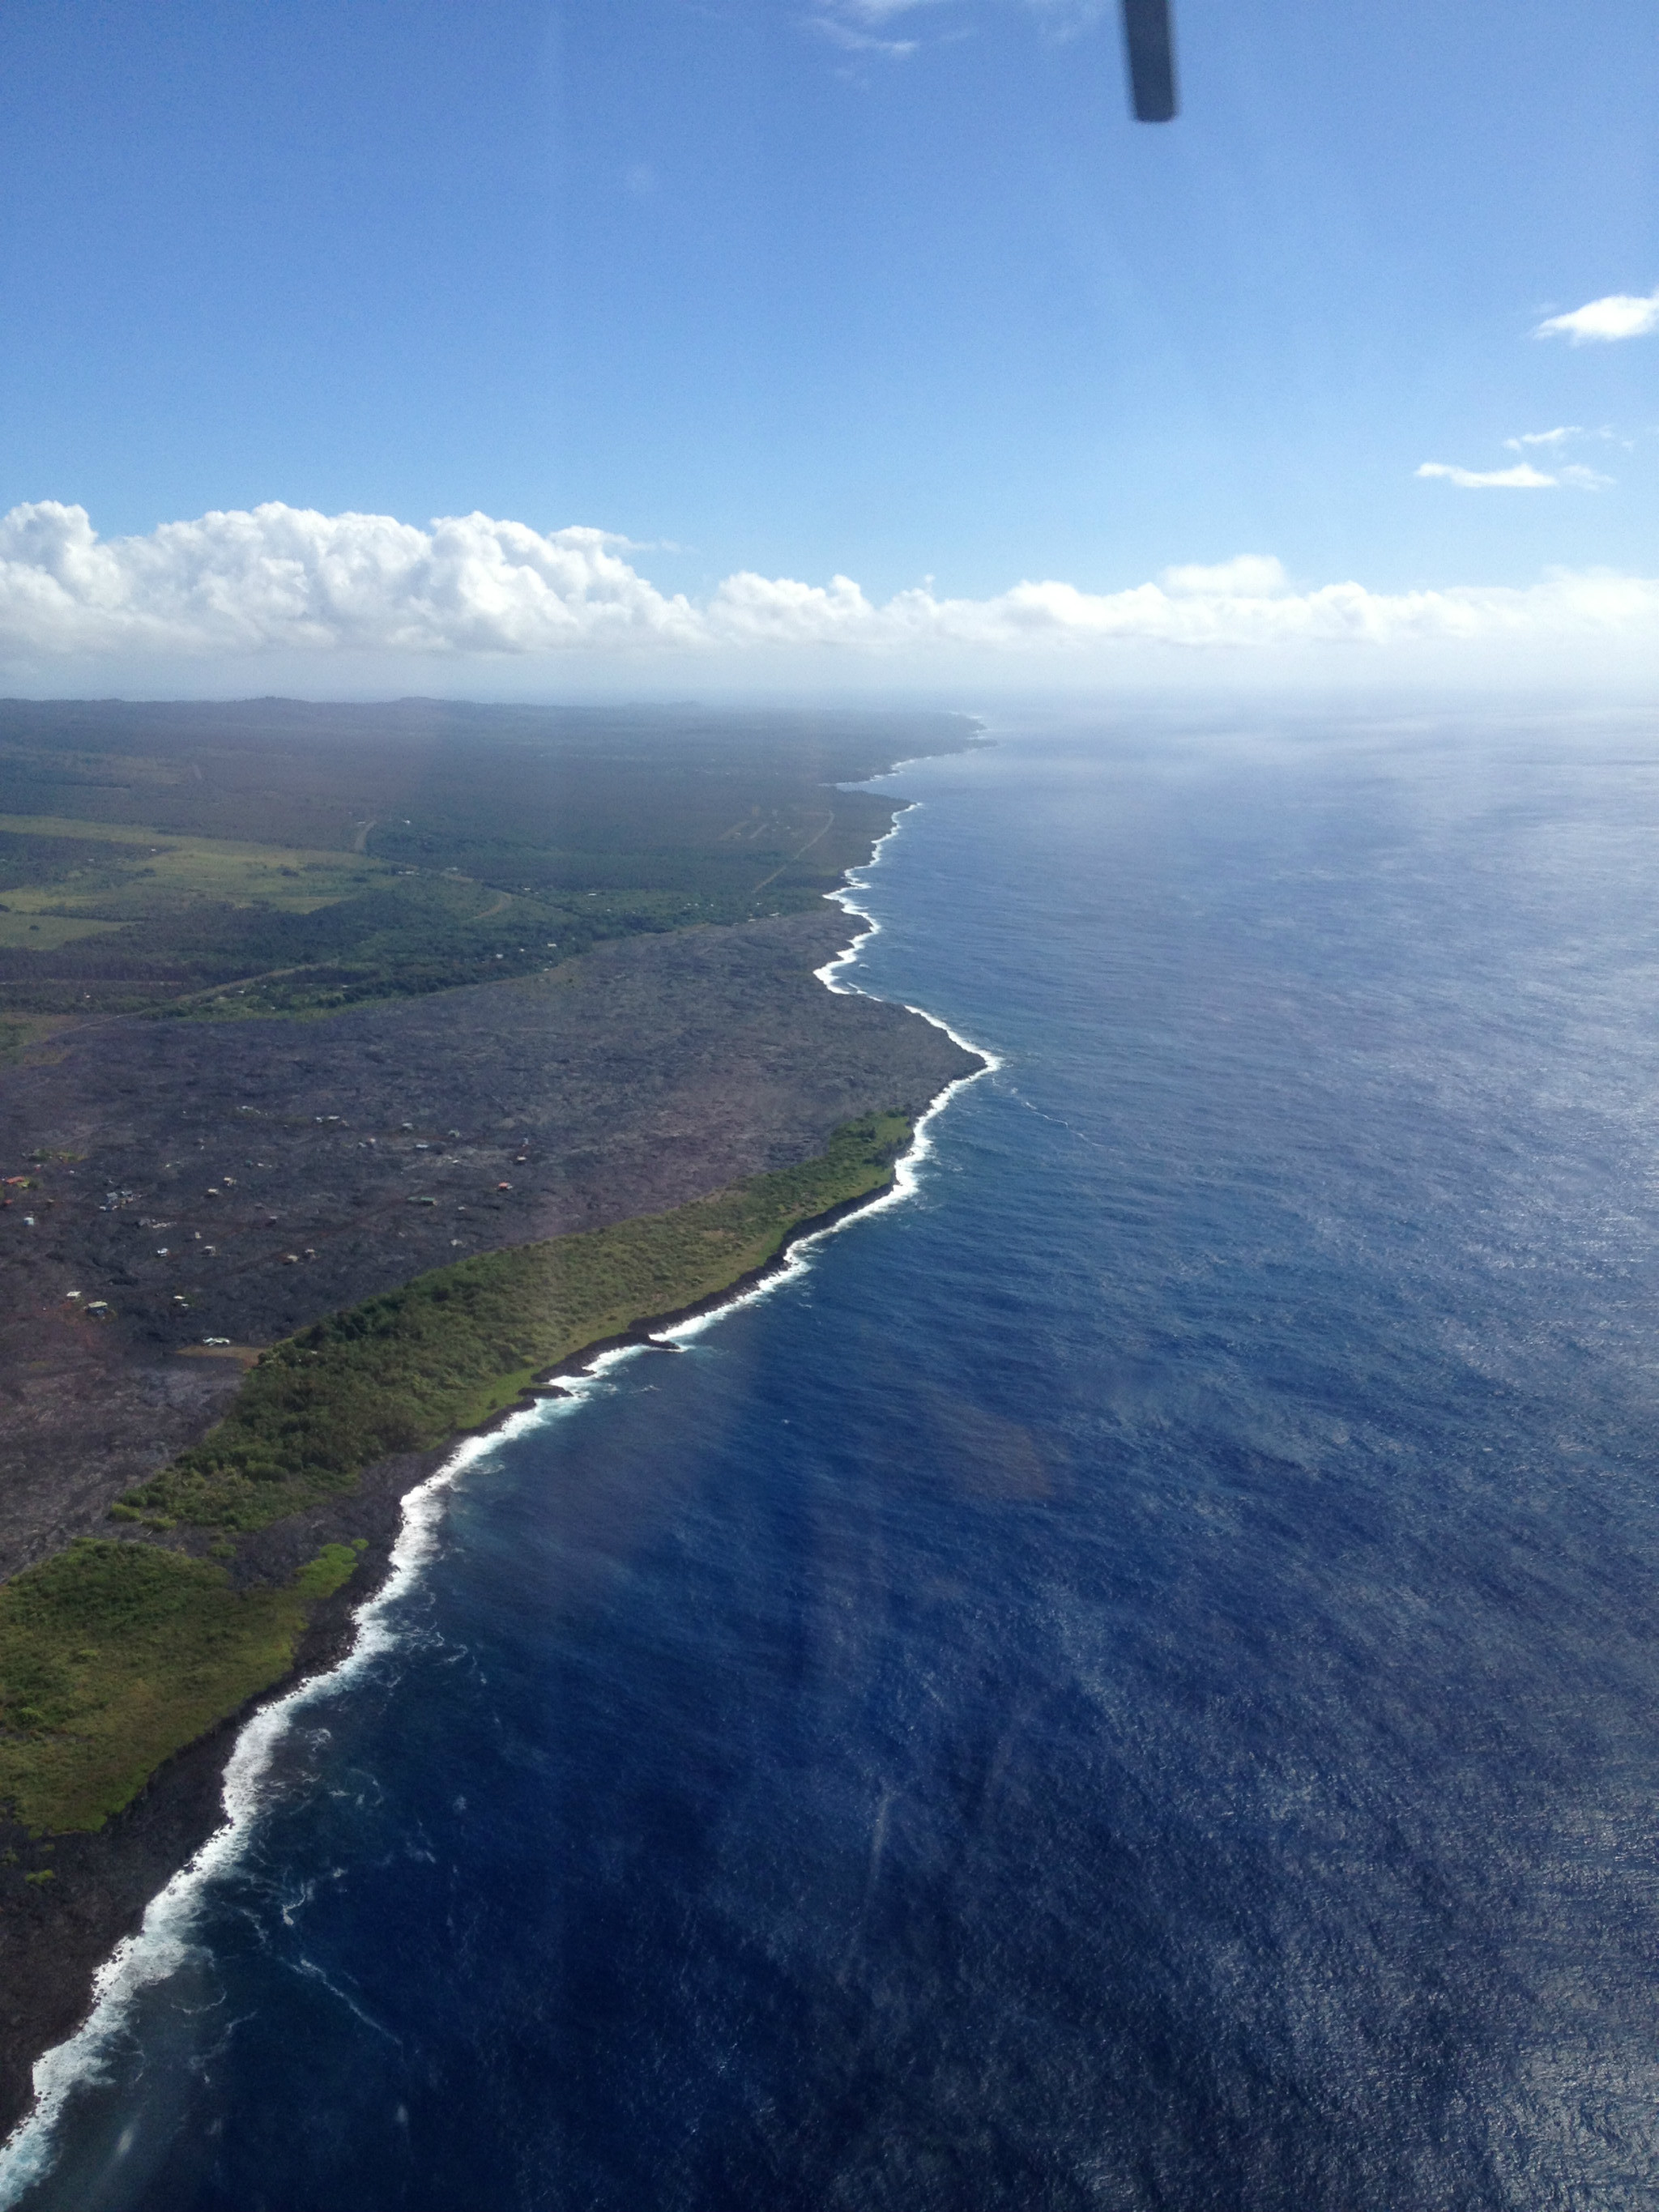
{"x":797,"y":1058}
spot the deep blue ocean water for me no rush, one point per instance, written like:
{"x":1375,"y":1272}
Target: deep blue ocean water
{"x":1132,"y":1680}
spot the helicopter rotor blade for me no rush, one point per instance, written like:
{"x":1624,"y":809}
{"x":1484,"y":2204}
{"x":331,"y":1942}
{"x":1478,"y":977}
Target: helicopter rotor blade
{"x":1152,"y":59}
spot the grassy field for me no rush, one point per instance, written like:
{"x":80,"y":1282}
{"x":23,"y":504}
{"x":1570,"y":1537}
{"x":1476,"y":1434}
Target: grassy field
{"x":402,"y":1372}
{"x":153,"y":948}
{"x":32,"y":930}
{"x":20,"y":1033}
{"x":98,"y":917}
{"x":216,"y":930}
{"x":126,"y":868}
{"x":268,"y":857}
{"x":114,"y":1655}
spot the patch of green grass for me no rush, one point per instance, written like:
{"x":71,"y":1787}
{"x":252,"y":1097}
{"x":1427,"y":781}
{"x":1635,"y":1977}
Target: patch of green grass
{"x":114,"y":1655}
{"x":203,"y":959}
{"x":16,"y":1036}
{"x":36,"y":931}
{"x":157,"y":867}
{"x":405,"y":1371}
{"x":135,"y":918}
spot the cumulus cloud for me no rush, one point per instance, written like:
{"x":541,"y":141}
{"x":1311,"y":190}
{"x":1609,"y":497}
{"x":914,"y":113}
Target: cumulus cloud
{"x":1600,"y":322}
{"x":288,"y":576}
{"x":1521,"y":478}
{"x":469,"y":588}
{"x":1246,"y":576}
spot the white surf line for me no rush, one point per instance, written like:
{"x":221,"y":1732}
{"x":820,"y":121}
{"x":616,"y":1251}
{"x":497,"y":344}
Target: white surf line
{"x":831,"y":972}
{"x":798,"y":1257}
{"x":163,"y":1942}
{"x":907,"y":1171}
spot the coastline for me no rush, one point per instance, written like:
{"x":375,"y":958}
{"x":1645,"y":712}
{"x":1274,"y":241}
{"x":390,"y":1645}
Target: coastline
{"x":122,"y":1919}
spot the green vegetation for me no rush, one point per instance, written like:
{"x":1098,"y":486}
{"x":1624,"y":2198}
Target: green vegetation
{"x":49,"y":933}
{"x":207,"y":959}
{"x":275,"y":858}
{"x":17,"y":1036}
{"x":32,"y":856}
{"x":402,"y":1372}
{"x":129,"y":870}
{"x":110,"y":919}
{"x":113,"y":1655}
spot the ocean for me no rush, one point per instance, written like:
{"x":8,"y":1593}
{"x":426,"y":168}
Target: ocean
{"x":1128,"y":1678}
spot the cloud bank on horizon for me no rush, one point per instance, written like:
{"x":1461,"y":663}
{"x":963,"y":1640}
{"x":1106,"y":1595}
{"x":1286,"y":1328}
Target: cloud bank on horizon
{"x":230,"y":585}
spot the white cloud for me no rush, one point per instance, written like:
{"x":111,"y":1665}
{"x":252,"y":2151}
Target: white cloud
{"x":1619,"y":315}
{"x":1246,"y":576}
{"x":285,"y":580}
{"x":1521,"y":478}
{"x":1583,"y":479}
{"x":284,"y":576}
{"x":1553,"y":439}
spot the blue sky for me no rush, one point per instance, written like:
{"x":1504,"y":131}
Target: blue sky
{"x":891,"y":291}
